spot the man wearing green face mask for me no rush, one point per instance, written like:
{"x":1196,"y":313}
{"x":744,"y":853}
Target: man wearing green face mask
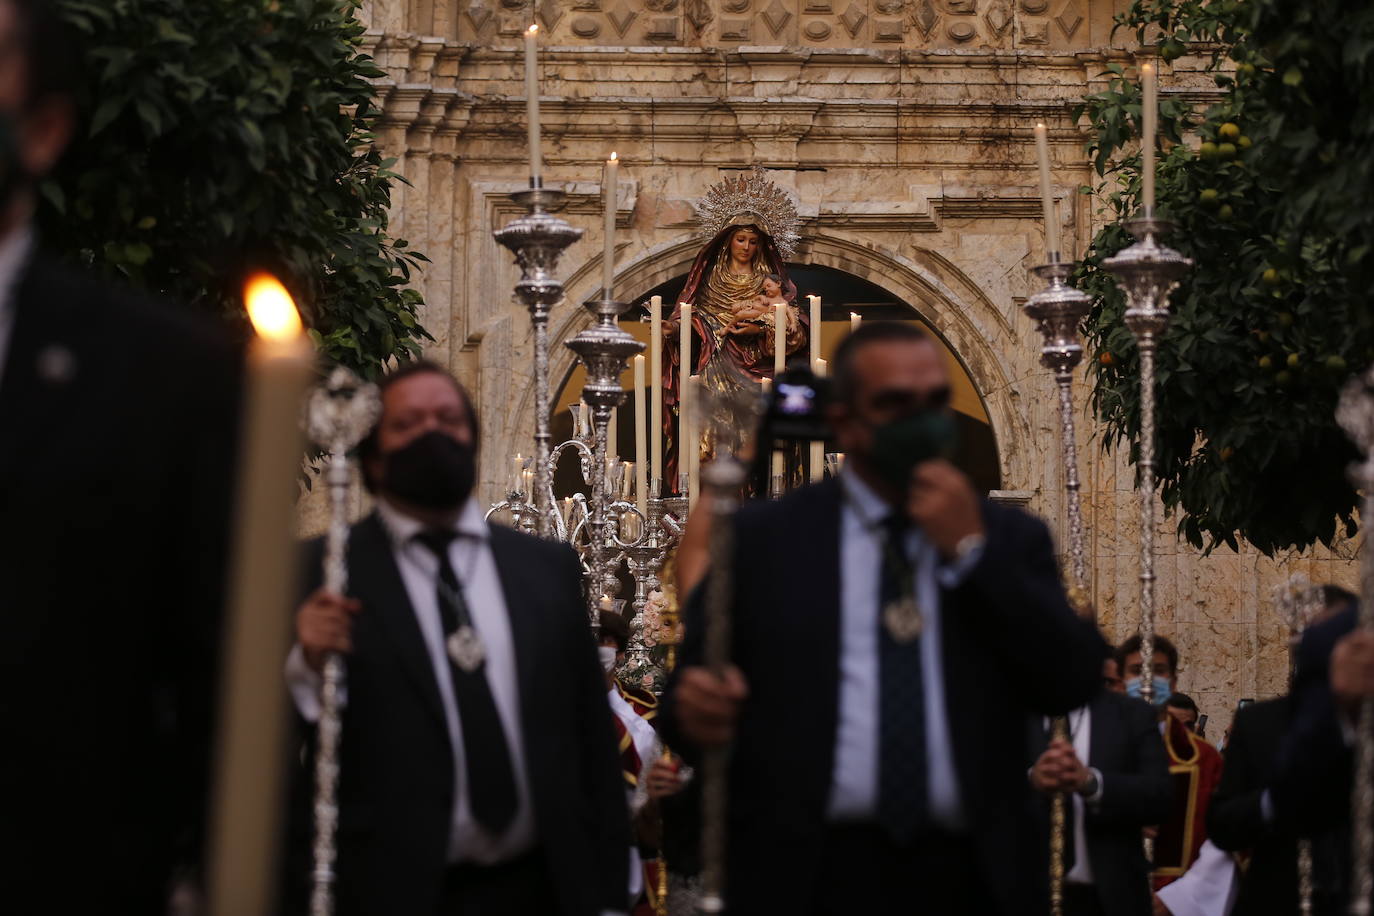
{"x":892,"y":631}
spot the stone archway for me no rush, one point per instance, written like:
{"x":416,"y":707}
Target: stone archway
{"x":942,"y":296}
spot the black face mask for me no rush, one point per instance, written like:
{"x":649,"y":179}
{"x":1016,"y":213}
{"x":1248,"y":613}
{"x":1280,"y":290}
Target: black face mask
{"x":901,"y":444}
{"x":434,"y":471}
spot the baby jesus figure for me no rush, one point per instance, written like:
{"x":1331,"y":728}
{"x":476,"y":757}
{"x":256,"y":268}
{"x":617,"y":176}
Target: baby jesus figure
{"x":754,"y":316}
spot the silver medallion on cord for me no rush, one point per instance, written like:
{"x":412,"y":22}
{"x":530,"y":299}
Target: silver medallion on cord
{"x":465,"y":648}
{"x":902,"y":619}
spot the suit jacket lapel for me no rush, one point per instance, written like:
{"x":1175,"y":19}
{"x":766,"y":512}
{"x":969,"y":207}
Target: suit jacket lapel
{"x":520,"y":609}
{"x":821,"y":592}
{"x":29,"y":396}
{"x":374,"y":573}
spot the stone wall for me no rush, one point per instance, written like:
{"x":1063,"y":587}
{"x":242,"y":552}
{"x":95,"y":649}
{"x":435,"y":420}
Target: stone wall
{"x":904,"y":129}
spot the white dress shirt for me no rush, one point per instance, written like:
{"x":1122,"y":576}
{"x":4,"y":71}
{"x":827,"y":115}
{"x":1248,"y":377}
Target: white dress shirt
{"x":14,"y":254}
{"x":473,"y":562}
{"x":854,"y":782}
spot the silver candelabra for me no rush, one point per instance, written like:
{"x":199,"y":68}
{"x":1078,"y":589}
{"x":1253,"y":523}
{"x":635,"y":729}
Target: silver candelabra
{"x":538,"y":240}
{"x":337,"y":416}
{"x":1355,"y":414}
{"x":1058,"y":310}
{"x":1148,"y":272}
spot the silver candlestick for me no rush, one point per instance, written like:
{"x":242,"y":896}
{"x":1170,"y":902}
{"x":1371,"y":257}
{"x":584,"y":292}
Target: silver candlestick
{"x":1355,"y":414}
{"x":337,"y":417}
{"x":1058,"y":310}
{"x":538,"y":240}
{"x":1148,"y":272}
{"x":603,"y":349}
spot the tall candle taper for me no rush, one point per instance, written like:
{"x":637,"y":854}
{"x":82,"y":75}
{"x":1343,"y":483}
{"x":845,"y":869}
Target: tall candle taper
{"x":1149,"y":110}
{"x":815,"y":333}
{"x":641,"y":484}
{"x":656,"y":388}
{"x":684,"y":343}
{"x":854,"y":321}
{"x":692,"y":439}
{"x":816,"y":470}
{"x":532,"y":104}
{"x":1042,"y":153}
{"x":252,"y":747}
{"x":608,"y":252}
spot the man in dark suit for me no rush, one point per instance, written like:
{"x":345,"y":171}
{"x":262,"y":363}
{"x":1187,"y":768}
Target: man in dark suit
{"x":117,"y":436}
{"x":1314,"y":772}
{"x":1115,"y":767}
{"x":892,"y":632}
{"x":478,"y":764}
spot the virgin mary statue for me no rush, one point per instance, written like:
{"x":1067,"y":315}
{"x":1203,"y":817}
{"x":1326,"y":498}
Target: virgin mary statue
{"x":733,"y":286}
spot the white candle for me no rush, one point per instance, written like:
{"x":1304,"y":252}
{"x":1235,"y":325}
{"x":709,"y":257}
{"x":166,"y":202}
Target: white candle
{"x":1042,"y":152}
{"x":1149,"y":127}
{"x":608,"y":181}
{"x":252,"y":734}
{"x":627,"y":477}
{"x":584,"y":420}
{"x":779,"y":338}
{"x":568,"y":513}
{"x":693,"y":441}
{"x":517,"y":465}
{"x":532,"y":103}
{"x":854,"y":321}
{"x":527,"y":485}
{"x":613,"y":437}
{"x":684,"y":344}
{"x":816,"y":469}
{"x":641,"y":486}
{"x":815,"y":303}
{"x":656,"y":387}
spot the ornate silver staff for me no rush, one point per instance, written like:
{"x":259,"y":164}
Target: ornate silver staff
{"x":538,"y":240}
{"x":603,"y":349}
{"x":337,"y":416}
{"x":1355,"y":414}
{"x":1058,"y":310}
{"x":1148,"y":272}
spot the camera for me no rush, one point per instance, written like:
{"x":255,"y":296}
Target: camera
{"x":795,"y":413}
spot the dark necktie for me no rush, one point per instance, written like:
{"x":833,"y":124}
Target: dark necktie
{"x":902,"y":795}
{"x":491,"y":777}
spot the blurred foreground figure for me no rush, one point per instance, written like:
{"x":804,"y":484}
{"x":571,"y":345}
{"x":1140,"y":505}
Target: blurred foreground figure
{"x":892,"y":632}
{"x":117,"y":436}
{"x":478,"y":771}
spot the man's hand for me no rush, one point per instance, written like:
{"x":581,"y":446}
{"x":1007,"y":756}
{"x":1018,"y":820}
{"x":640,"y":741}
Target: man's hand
{"x":324,"y":624}
{"x":1352,"y":669}
{"x":945,"y":505}
{"x":662,"y":779}
{"x":1059,"y":769}
{"x":707,"y":706}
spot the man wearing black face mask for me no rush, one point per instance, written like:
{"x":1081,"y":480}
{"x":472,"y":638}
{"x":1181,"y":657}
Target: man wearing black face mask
{"x":478,"y":763}
{"x":892,"y":632}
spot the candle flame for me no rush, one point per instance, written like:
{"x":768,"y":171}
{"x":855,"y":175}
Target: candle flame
{"x":613,"y":157}
{"x":271,"y":308}
{"x":533,"y":28}
{"x":1147,"y":68}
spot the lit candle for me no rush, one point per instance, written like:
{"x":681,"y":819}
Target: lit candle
{"x":527,"y":485}
{"x":252,"y":739}
{"x":568,"y":513}
{"x":608,"y":181}
{"x":606,"y":605}
{"x":1149,"y":127}
{"x":779,"y":338}
{"x":684,"y":344}
{"x":854,"y":321}
{"x":693,"y":441}
{"x":641,"y":485}
{"x":816,"y":468}
{"x":815,"y":303}
{"x":1042,"y":151}
{"x":584,"y":420}
{"x":627,"y":477}
{"x":656,"y":392}
{"x":532,"y":103}
{"x":517,"y":466}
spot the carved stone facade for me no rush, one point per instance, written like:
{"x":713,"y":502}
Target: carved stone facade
{"x":904,"y":129}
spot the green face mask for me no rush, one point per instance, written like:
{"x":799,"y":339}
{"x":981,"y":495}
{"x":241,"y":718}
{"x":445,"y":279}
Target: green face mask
{"x":903,"y":443}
